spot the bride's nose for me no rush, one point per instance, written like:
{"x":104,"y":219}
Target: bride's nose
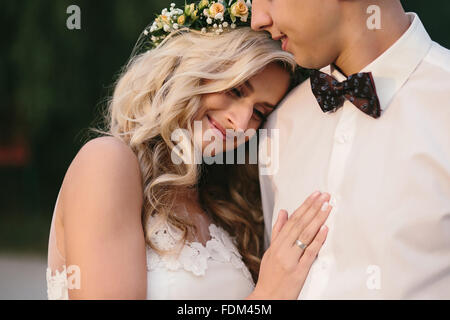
{"x":238,"y":116}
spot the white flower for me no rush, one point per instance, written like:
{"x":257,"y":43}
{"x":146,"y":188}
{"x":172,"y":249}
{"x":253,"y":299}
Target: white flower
{"x":218,"y":31}
{"x":209,"y":21}
{"x":172,"y":5}
{"x":166,"y":28}
{"x":219,"y":16}
{"x":195,"y":258}
{"x":218,"y":251}
{"x":215,"y":25}
{"x":146,"y":32}
{"x":233,"y":26}
{"x":171,"y":262}
{"x":203,"y":30}
{"x":175,"y":26}
{"x":152,"y":259}
{"x":225,"y":24}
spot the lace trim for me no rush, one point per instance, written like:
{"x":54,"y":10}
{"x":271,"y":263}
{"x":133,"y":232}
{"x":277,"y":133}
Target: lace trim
{"x":57,"y":285}
{"x":194,"y":256}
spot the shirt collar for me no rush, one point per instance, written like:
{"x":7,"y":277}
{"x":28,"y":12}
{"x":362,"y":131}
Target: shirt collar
{"x":392,"y":69}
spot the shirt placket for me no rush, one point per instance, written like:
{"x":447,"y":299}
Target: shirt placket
{"x":341,"y":148}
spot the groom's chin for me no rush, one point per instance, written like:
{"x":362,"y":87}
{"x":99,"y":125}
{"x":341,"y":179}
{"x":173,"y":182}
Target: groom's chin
{"x":316,"y":64}
{"x":304,"y":61}
{"x":316,"y":59}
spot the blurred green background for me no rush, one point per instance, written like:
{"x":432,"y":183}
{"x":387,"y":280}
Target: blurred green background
{"x":54,"y":81}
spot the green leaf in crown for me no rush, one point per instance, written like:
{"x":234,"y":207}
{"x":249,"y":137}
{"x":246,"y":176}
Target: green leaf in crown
{"x":205,"y":16}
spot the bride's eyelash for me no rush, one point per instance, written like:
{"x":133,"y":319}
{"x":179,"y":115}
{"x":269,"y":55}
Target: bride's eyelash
{"x":261,"y":115}
{"x":236,"y":92}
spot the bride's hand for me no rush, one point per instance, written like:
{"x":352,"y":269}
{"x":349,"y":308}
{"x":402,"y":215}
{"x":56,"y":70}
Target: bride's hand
{"x":285,"y":265}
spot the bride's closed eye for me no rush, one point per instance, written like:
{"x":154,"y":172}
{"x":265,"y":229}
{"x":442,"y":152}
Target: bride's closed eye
{"x":235,"y":92}
{"x":261,"y":116}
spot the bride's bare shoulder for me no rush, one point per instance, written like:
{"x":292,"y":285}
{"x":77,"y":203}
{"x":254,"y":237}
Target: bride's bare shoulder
{"x":104,"y":152}
{"x":109,"y":145}
{"x":106,"y":168}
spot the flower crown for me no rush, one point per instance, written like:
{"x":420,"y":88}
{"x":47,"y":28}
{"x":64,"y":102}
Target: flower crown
{"x":208,"y":17}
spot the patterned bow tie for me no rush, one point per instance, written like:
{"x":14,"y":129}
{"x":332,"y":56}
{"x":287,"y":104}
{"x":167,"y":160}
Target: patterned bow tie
{"x":359,"y":89}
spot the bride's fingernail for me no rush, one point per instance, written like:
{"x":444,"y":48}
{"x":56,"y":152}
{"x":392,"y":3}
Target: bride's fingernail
{"x":324,"y":206}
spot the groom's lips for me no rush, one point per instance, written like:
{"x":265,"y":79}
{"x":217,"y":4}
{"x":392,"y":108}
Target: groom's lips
{"x":284,"y":43}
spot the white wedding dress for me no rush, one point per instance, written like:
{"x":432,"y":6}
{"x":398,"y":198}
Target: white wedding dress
{"x":211,"y":271}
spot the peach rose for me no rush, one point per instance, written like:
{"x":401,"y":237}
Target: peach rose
{"x":215,"y":9}
{"x":240,"y":9}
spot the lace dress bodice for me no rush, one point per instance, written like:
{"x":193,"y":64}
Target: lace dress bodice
{"x":213,"y":270}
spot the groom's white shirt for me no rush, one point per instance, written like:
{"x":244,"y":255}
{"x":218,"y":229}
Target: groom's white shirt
{"x":389,"y":178}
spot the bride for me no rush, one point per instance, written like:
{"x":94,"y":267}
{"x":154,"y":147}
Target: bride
{"x":132,"y":223}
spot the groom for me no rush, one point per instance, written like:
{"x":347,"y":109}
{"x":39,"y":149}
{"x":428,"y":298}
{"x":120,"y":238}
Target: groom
{"x":378,"y":142}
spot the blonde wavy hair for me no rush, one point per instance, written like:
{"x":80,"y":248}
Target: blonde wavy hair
{"x":159,"y":91}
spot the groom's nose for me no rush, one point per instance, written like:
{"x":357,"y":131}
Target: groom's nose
{"x":261,"y":18}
